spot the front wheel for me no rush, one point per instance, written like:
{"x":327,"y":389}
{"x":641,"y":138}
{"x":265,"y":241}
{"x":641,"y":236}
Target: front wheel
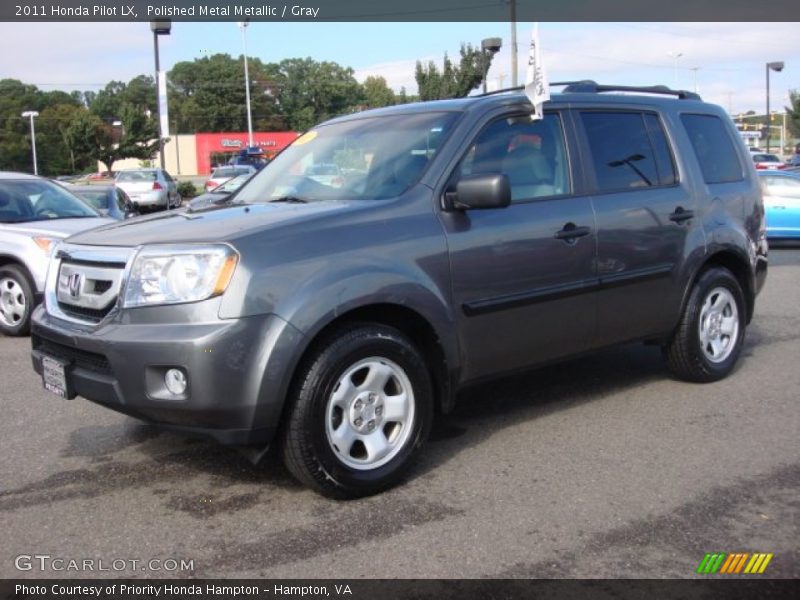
{"x":362,"y":405}
{"x":709,"y":337}
{"x":16,"y":301}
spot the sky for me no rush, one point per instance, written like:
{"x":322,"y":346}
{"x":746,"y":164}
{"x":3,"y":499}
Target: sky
{"x":725,"y":62}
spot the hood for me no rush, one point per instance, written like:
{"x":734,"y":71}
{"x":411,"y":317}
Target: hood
{"x":213,"y":224}
{"x":57,"y":228}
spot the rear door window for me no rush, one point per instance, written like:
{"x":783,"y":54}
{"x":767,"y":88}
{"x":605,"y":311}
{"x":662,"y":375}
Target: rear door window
{"x":629,"y":150}
{"x":714,"y":148}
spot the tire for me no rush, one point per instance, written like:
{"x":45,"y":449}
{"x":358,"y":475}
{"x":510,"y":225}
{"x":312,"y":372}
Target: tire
{"x":709,"y":337}
{"x":362,"y":405}
{"x":16,"y":301}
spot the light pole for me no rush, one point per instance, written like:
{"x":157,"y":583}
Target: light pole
{"x":695,"y":69}
{"x":31,"y":114}
{"x":489,"y":47}
{"x":243,"y":29}
{"x":675,"y":56}
{"x":777,"y":67}
{"x":159,"y":28}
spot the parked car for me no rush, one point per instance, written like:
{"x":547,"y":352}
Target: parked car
{"x":222,"y":174}
{"x":794,"y":161}
{"x":768,"y":162}
{"x":220,"y":193}
{"x":782,"y":204}
{"x":34,"y":215}
{"x":149,"y":189}
{"x":108,"y":200}
{"x":336,"y":322}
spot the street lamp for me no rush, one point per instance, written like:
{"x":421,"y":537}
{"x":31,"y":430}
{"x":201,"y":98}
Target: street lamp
{"x":159,"y":28}
{"x":676,"y":56}
{"x":243,"y":29}
{"x":31,"y":114}
{"x":777,"y":67}
{"x":489,"y":47}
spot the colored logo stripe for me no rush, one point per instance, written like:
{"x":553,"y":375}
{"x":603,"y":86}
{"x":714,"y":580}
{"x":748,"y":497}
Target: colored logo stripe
{"x":731,"y":564}
{"x":758,"y":563}
{"x":711,"y":562}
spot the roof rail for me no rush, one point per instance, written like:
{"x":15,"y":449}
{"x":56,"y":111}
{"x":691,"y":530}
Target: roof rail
{"x":587,"y":86}
{"x":583,"y":87}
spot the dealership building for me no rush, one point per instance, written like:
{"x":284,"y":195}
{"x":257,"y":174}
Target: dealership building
{"x":198,"y":153}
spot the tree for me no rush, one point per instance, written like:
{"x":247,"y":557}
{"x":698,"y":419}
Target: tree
{"x":793,"y":113}
{"x":377,"y":93}
{"x":208,"y":94}
{"x":452,"y":81}
{"x":311,"y":91}
{"x":138,"y":137}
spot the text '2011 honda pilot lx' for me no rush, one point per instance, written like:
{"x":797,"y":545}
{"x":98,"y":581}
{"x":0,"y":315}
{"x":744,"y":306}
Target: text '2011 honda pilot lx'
{"x":463,"y":240}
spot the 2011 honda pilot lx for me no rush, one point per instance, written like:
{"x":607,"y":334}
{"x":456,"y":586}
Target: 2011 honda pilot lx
{"x":463,"y":240}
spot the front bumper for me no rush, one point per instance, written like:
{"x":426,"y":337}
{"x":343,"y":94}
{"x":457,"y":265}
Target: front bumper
{"x":237,"y":371}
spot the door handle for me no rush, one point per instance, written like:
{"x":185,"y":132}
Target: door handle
{"x":571,"y":232}
{"x":680,"y":215}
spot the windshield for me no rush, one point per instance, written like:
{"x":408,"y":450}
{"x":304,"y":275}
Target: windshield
{"x":36,"y":200}
{"x":766,"y":158}
{"x":137,"y":176}
{"x":363,"y":159}
{"x":95,"y":198}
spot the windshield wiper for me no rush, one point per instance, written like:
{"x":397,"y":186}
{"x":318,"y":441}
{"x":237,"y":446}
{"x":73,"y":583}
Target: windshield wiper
{"x":290,"y":200}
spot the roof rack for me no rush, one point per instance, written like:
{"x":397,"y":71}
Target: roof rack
{"x":587,"y":86}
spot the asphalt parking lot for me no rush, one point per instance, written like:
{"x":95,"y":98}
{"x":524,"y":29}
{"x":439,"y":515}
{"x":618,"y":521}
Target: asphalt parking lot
{"x":599,"y":467}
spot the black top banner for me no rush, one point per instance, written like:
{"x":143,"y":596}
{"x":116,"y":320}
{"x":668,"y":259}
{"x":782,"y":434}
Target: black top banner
{"x":405,"y":11}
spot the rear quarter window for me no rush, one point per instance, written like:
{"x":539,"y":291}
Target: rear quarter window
{"x":713,"y":148}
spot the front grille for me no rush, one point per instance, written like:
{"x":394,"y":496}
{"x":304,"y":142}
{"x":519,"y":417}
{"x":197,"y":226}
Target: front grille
{"x":86,"y":314}
{"x":80,"y":358}
{"x":102,"y":286}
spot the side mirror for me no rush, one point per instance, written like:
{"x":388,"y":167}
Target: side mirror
{"x":480,"y":192}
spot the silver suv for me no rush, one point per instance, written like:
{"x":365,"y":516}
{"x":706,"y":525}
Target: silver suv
{"x":34,"y":214}
{"x":468,"y":241}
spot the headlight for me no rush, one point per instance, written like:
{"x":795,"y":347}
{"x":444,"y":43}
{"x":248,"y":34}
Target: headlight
{"x":182,"y":273}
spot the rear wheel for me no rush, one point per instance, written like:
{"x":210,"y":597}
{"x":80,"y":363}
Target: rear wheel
{"x":16,"y":301}
{"x":710,"y":335}
{"x":362,"y":406}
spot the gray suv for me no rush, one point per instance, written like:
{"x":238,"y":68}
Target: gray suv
{"x":466,"y":241}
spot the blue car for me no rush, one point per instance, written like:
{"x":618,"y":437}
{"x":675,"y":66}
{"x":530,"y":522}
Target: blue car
{"x":782,"y":204}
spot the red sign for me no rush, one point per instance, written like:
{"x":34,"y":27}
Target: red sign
{"x":207,"y":144}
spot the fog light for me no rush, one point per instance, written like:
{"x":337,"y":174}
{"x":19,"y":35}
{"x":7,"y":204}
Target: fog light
{"x":175,"y":380}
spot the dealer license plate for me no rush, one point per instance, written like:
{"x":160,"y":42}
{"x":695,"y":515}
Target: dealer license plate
{"x":54,"y":377}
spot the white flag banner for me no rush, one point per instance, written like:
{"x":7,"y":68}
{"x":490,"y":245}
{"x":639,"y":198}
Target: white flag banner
{"x":537,"y":88}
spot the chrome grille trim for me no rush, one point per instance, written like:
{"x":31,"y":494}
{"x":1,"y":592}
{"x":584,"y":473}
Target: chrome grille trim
{"x":95,"y":267}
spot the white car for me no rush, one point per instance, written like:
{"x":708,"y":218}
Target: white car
{"x":34,"y":215}
{"x":149,"y":188}
{"x":222,"y":174}
{"x":769,"y":162}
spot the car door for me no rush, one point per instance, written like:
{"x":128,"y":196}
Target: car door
{"x":523,"y":278}
{"x":644,"y":214}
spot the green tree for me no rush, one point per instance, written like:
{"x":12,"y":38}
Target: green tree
{"x":452,"y":81}
{"x":208,"y":94}
{"x":793,"y":113}
{"x":15,"y":143}
{"x":377,"y":93}
{"x":311,"y":91}
{"x":137,"y":138}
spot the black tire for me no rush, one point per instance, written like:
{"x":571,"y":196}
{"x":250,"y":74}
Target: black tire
{"x":16,"y":301}
{"x":687,"y":355}
{"x":309,"y":451}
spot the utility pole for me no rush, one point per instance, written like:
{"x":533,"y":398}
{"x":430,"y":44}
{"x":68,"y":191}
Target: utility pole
{"x":513,"y":43}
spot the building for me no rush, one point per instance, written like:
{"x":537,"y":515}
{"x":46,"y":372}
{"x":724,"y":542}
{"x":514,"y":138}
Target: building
{"x":197,"y":154}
